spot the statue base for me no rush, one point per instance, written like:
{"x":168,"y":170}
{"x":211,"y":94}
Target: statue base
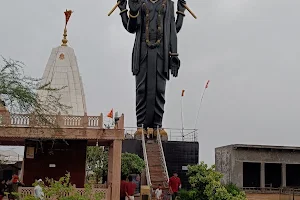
{"x":150,"y":133}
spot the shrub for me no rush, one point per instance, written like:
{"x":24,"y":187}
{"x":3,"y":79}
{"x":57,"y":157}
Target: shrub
{"x":64,"y":190}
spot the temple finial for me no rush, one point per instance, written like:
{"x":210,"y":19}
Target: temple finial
{"x":68,"y":14}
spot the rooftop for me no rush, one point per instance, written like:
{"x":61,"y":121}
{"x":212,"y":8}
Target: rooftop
{"x":257,"y":147}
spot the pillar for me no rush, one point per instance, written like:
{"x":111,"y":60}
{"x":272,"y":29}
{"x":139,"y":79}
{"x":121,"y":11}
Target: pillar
{"x":283,"y":175}
{"x":262,"y":175}
{"x":114,"y":169}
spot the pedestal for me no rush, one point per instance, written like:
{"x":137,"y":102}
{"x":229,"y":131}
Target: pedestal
{"x":151,"y":133}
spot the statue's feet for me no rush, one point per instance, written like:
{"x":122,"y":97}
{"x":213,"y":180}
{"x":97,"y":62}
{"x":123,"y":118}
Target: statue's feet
{"x":163,"y":135}
{"x":139,"y":132}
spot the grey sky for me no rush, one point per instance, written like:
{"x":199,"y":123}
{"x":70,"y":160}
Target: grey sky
{"x":247,"y":48}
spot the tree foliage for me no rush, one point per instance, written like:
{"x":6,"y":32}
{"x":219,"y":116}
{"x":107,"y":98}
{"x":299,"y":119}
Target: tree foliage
{"x":97,"y":161}
{"x":20,"y":93}
{"x":132,"y":164}
{"x":58,"y":190}
{"x":206,"y":185}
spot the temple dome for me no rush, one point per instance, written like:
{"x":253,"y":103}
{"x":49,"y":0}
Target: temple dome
{"x":62,"y":71}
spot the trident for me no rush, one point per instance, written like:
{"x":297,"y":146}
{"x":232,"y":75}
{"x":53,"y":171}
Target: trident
{"x":118,"y":3}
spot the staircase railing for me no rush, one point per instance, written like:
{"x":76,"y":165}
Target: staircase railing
{"x":163,"y":159}
{"x":146,"y":159}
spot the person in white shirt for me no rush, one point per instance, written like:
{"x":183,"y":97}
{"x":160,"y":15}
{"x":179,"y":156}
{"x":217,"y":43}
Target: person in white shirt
{"x":158,"y":193}
{"x":38,"y":190}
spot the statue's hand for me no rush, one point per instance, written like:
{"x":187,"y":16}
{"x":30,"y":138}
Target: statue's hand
{"x":134,"y":6}
{"x":175,"y":65}
{"x":123,"y":4}
{"x":174,"y":71}
{"x":180,"y":5}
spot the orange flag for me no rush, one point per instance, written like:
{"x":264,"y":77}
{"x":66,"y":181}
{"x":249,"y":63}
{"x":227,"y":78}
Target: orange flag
{"x":68,"y":14}
{"x":182,"y":93}
{"x":110,"y":114}
{"x":206,"y":86}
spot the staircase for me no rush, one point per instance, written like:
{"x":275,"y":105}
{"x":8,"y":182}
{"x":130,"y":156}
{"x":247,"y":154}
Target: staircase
{"x":156,"y":168}
{"x":154,"y":162}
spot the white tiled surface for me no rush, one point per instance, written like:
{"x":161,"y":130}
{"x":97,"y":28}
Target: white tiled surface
{"x":65,"y":72}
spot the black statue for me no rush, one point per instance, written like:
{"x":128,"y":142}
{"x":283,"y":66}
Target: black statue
{"x":154,"y":53}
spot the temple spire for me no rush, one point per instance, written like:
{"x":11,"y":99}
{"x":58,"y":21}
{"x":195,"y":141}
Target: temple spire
{"x":68,"y":14}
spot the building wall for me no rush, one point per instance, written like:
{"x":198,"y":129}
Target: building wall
{"x":223,"y":162}
{"x":181,"y":154}
{"x":177,"y":154}
{"x":67,"y":158}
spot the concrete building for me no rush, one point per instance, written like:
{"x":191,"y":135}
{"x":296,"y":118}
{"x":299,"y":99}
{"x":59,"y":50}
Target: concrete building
{"x":259,"y":166}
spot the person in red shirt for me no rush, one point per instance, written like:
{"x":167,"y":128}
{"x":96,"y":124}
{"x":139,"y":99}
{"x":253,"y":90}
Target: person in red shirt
{"x":174,"y":185}
{"x":122,"y":188}
{"x":129,"y":189}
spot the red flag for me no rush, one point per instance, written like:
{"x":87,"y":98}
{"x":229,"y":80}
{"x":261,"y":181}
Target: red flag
{"x":182,"y":93}
{"x":110,"y":114}
{"x":206,"y":86}
{"x":68,"y":14}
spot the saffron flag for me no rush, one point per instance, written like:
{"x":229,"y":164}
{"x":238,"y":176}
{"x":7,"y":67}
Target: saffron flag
{"x":182,"y":93}
{"x":110,"y":114}
{"x":68,"y":14}
{"x":206,"y":86}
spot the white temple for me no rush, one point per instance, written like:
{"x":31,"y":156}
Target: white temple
{"x":62,"y":71}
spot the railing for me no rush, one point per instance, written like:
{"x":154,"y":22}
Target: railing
{"x":64,"y":121}
{"x":271,"y":190}
{"x":174,"y":134}
{"x":146,"y":159}
{"x":29,"y":191}
{"x":163,"y":159}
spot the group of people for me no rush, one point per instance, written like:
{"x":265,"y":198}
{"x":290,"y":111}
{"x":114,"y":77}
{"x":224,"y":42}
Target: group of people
{"x":127,"y":188}
{"x":9,"y":187}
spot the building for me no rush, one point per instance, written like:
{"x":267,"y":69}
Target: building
{"x":259,"y":166}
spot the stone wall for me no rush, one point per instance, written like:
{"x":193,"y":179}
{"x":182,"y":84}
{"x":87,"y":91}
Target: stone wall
{"x":223,"y":162}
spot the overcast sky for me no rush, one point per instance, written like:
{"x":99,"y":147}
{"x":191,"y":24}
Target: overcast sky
{"x":249,"y":49}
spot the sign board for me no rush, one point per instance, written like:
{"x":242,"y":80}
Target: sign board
{"x":52,"y":165}
{"x":184,"y":168}
{"x":30,"y":152}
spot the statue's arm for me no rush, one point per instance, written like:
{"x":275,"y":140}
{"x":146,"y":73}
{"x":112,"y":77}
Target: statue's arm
{"x":123,"y":13}
{"x":132,"y":24}
{"x":173,"y":33}
{"x":180,"y":14}
{"x":134,"y":15}
{"x":124,"y":17}
{"x":179,"y":21}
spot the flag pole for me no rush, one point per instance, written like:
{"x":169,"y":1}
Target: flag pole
{"x":199,"y":107}
{"x":201,"y":100}
{"x":182,"y":119}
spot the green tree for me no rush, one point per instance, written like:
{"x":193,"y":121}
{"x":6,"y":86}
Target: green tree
{"x":97,"y":161}
{"x":132,"y":164}
{"x":20,"y":93}
{"x":206,"y":185}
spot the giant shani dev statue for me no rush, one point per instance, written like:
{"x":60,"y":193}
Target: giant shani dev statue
{"x":154,"y":54}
